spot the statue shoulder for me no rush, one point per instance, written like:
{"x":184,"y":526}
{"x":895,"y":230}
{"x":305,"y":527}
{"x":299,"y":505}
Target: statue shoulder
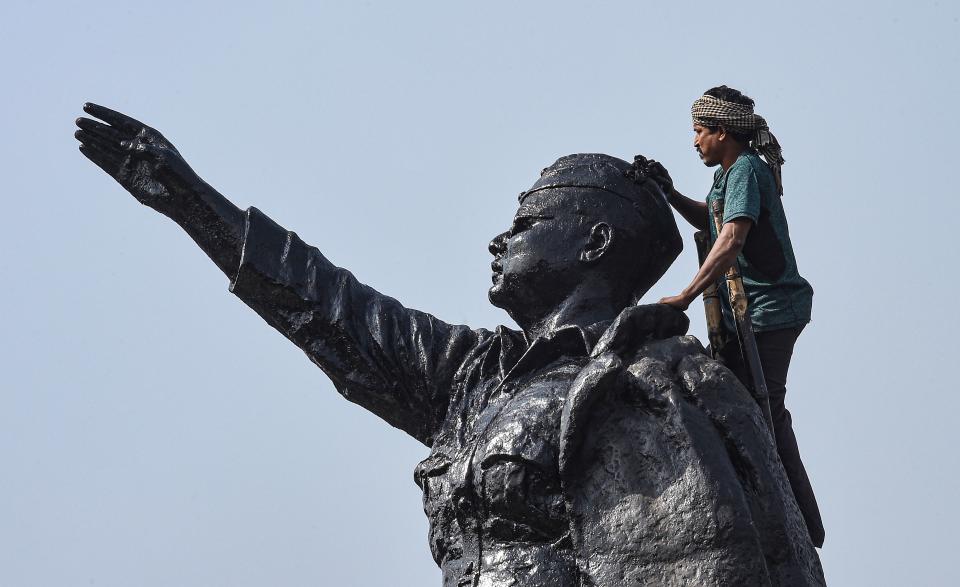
{"x":669,"y":473}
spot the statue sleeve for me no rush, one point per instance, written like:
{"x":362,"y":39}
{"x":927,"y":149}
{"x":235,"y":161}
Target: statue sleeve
{"x":670,"y":476}
{"x":396,"y":362}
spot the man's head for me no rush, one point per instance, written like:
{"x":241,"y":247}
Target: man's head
{"x":713,"y":139}
{"x":724,"y":124}
{"x":592,"y":226}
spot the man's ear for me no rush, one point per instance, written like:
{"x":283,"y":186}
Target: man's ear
{"x":599,"y":241}
{"x":721,"y":133}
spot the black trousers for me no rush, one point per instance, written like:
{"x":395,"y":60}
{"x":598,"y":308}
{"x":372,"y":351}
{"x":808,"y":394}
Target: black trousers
{"x":776,"y":349}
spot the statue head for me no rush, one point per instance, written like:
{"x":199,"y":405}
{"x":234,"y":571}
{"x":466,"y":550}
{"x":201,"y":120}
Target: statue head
{"x":593,"y":227}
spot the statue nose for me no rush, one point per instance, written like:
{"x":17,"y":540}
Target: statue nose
{"x":496,"y":246}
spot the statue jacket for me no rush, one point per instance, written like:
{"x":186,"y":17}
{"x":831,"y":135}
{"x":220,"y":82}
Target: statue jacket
{"x":616,"y":454}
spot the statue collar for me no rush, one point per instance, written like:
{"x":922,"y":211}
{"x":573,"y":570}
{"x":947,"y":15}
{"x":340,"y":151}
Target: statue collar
{"x":634,"y":326}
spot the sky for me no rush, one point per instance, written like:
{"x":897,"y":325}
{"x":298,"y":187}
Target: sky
{"x":155,"y":432}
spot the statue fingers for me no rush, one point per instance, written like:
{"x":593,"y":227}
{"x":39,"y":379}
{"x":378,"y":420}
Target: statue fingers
{"x":103,"y":131}
{"x":114,"y":118}
{"x":99,"y":143}
{"x":105,"y":160}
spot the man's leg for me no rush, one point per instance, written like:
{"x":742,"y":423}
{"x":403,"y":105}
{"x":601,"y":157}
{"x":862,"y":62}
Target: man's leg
{"x":776,"y":349}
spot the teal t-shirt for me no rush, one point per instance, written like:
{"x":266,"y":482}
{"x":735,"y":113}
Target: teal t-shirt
{"x":778,"y":296}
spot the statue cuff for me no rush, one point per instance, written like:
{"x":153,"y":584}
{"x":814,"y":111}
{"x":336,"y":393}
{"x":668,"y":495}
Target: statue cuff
{"x":264,"y":258}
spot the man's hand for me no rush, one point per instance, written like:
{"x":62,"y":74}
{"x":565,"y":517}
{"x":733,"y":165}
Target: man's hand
{"x":658,"y":173}
{"x":141,"y":160}
{"x":692,"y":211}
{"x":722,"y":256}
{"x":680,"y":302}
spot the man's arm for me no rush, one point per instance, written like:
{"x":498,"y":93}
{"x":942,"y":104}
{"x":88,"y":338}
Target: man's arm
{"x":693,"y":211}
{"x":722,"y":255}
{"x":396,"y":362}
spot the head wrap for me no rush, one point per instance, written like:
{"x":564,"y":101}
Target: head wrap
{"x":739,"y":118}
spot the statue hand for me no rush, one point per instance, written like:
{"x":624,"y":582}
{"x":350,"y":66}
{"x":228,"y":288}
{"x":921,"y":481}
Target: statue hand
{"x":141,"y":160}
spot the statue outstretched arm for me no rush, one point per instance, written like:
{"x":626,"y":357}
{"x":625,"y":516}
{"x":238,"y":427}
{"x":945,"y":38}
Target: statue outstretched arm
{"x":398,"y":363}
{"x":148,"y":166}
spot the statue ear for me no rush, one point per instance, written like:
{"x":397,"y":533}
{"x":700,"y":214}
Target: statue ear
{"x":601,"y":236}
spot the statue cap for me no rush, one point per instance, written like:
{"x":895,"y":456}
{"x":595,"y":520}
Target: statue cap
{"x":601,"y":172}
{"x":630,"y":181}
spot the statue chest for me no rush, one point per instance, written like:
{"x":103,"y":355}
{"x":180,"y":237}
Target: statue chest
{"x":491,"y":487}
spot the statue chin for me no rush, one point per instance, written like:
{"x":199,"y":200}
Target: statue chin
{"x":497,"y":294}
{"x":506,"y":296}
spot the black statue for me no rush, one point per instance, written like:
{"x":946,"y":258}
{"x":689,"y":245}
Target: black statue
{"x":599,"y":446}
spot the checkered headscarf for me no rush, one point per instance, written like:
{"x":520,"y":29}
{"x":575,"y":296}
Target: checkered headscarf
{"x":739,"y":118}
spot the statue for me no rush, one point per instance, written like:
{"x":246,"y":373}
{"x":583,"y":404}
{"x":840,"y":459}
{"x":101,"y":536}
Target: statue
{"x":599,"y":446}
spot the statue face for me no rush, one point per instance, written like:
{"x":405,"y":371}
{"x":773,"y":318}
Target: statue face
{"x":538,"y":261}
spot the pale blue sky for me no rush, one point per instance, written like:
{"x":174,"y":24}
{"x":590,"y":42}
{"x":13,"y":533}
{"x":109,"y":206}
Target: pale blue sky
{"x":155,"y":432}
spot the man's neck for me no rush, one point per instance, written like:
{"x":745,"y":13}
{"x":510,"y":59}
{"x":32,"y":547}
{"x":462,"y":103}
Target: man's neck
{"x":731,"y":156}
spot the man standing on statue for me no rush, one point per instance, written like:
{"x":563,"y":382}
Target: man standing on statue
{"x":754,"y":232}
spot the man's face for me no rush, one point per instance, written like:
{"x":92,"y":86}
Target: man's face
{"x":707,"y":143}
{"x":536,"y":263}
